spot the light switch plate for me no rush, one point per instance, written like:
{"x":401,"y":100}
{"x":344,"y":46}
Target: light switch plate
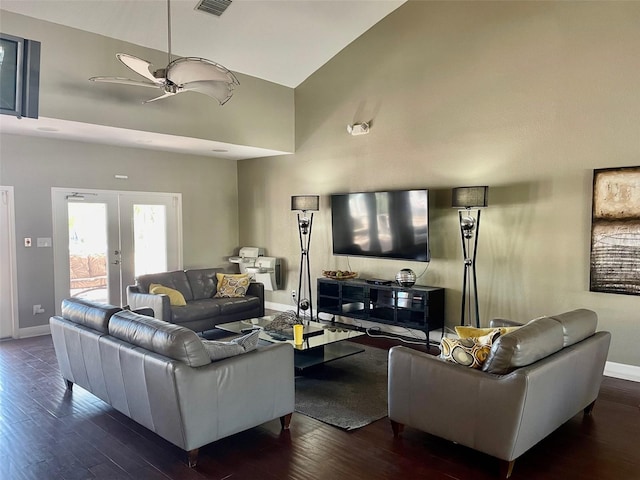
{"x":44,"y":242}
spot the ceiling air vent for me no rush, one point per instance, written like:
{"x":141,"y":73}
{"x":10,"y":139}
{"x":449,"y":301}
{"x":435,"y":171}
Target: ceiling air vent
{"x":214,"y":7}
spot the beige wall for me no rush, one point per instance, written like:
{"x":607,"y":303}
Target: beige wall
{"x":34,"y":165}
{"x":526,"y":97}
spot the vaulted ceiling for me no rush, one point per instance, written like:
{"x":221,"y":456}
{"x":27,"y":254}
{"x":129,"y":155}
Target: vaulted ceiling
{"x":281,"y":41}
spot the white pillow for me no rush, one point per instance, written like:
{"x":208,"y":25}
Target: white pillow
{"x":218,"y":350}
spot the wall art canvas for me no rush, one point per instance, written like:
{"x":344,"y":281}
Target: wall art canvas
{"x":615,"y":231}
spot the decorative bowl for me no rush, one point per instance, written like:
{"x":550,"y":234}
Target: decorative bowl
{"x":339,"y":274}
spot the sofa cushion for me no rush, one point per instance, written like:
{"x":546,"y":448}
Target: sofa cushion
{"x":470,"y":351}
{"x":164,"y":338}
{"x":577,"y":325}
{"x":175,"y":297}
{"x":218,"y":350}
{"x":528,"y":344}
{"x":90,"y":314}
{"x":230,"y":306}
{"x":196,"y":310}
{"x":203,"y":282}
{"x":232,"y":286}
{"x":177,"y":280}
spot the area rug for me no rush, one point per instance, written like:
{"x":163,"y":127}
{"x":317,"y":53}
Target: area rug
{"x":348,"y":393}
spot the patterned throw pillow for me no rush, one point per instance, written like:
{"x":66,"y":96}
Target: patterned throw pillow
{"x":231,"y":286}
{"x":219,"y":350}
{"x":175,"y":297}
{"x":471,"y":352}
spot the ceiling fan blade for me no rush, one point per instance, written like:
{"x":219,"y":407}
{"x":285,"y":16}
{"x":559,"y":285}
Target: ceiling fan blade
{"x":164,"y":95}
{"x":140,"y":66}
{"x":193,"y":69}
{"x":221,"y":91}
{"x":124,"y":81}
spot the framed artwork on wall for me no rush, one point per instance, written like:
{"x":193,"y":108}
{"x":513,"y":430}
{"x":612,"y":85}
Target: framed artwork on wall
{"x":615,"y":231}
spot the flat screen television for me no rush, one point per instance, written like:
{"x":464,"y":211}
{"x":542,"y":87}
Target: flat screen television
{"x":391,"y":224}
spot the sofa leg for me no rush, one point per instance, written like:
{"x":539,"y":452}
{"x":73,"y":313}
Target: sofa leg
{"x":192,"y":456}
{"x":285,"y":421}
{"x":506,"y":468}
{"x":397,"y":428}
{"x":589,"y":408}
{"x":69,"y":384}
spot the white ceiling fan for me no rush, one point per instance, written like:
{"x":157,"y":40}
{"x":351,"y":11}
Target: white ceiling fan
{"x":186,"y":74}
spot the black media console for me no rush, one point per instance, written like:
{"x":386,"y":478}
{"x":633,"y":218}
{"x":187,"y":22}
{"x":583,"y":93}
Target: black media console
{"x":417,"y":307}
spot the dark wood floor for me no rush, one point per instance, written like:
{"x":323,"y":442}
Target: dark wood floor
{"x":47,"y":432}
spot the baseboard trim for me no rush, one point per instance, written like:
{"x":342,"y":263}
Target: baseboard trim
{"x":622,"y":371}
{"x":34,"y":331}
{"x":280,"y":307}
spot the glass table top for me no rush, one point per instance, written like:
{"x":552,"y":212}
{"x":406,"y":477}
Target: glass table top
{"x":316,"y":334}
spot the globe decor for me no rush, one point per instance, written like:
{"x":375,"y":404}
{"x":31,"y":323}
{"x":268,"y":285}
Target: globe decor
{"x":406,"y":277}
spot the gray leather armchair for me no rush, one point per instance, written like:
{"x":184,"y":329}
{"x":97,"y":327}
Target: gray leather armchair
{"x":535,"y":379}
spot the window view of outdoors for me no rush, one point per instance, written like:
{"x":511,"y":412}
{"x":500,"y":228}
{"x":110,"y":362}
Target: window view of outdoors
{"x":88,"y":251}
{"x":88,"y":247}
{"x":150,"y":238}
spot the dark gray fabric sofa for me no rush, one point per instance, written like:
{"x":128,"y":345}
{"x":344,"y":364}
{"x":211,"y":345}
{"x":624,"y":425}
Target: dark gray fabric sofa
{"x":534,"y":380}
{"x":198,"y":286}
{"x":160,"y":375}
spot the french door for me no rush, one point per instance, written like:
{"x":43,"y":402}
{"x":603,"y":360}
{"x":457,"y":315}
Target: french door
{"x":104,"y":239}
{"x":8,"y":293}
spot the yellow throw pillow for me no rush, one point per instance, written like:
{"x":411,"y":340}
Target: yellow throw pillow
{"x":175,"y":297}
{"x":231,"y":285}
{"x":473,"y":332}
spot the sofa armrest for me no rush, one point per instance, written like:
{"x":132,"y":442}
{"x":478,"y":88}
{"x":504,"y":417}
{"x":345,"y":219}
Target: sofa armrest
{"x":257,"y":290}
{"x":231,"y":395}
{"x":158,"y":303}
{"x":503,"y":322}
{"x":463,"y":405}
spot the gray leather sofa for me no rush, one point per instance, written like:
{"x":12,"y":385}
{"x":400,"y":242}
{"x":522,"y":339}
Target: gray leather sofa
{"x":198,"y":286}
{"x":534,"y":380}
{"x":160,"y":375}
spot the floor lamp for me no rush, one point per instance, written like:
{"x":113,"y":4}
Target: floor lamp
{"x":469,"y":201}
{"x":305,"y":203}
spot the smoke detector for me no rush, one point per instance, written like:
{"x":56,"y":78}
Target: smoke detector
{"x":358,"y":128}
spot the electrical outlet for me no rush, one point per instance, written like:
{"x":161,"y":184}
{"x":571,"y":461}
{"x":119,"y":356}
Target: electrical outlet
{"x":293,"y":294}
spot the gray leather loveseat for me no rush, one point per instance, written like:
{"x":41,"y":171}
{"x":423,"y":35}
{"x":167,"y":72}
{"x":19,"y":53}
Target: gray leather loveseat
{"x":160,"y":375}
{"x":534,"y":380}
{"x":203,"y":310}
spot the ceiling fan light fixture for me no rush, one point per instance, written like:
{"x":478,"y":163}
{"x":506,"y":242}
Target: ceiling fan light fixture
{"x":183,"y":74}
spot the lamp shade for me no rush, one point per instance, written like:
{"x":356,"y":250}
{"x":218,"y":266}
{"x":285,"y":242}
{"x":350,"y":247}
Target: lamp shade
{"x":305,"y":202}
{"x":469,"y":197}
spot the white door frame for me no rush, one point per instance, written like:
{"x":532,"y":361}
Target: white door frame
{"x":60,"y":247}
{"x":7,"y":201}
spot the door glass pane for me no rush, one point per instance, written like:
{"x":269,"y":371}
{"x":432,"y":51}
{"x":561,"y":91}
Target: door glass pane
{"x":88,"y":251}
{"x":150,"y":238}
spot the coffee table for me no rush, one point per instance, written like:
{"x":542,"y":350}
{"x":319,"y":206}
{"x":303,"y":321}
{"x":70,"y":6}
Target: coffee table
{"x":321,"y":344}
